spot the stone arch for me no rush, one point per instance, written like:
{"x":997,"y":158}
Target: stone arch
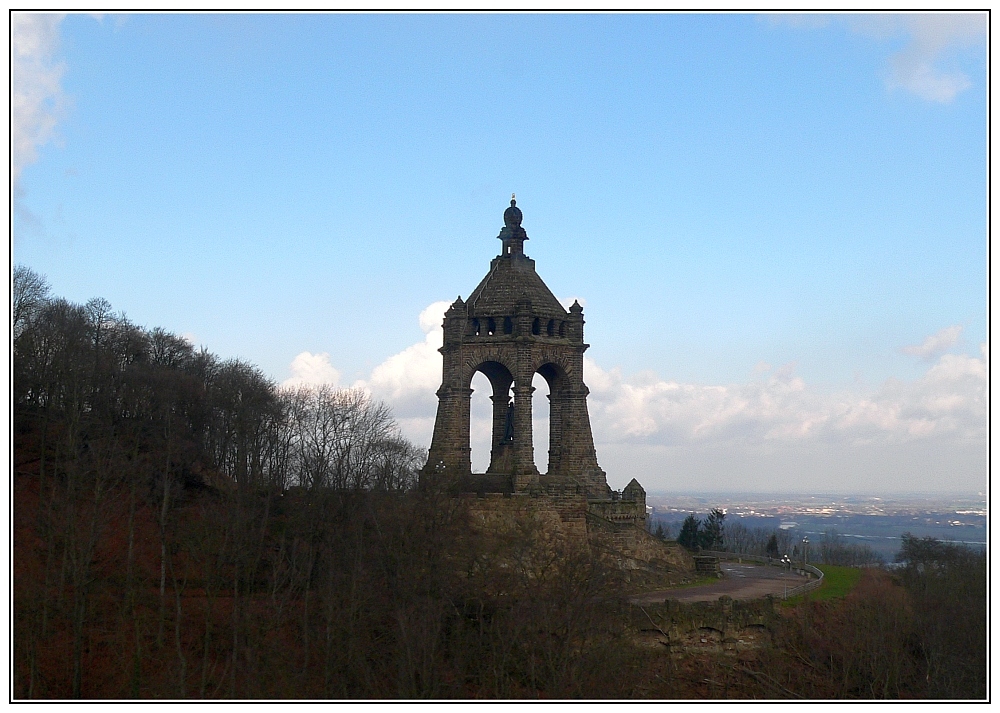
{"x":554,"y":364}
{"x":558,"y":380}
{"x":541,"y":422}
{"x":479,"y":430}
{"x":501,"y":380}
{"x":553,"y":372}
{"x":492,"y":362}
{"x":496,"y":371}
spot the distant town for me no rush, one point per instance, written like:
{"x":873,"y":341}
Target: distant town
{"x":876,"y":521}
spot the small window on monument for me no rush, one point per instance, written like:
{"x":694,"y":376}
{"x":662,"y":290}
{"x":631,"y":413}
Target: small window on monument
{"x":562,"y":329}
{"x":475,"y":327}
{"x":551,"y":328}
{"x":536,"y":326}
{"x":491,"y":327}
{"x":508,"y":325}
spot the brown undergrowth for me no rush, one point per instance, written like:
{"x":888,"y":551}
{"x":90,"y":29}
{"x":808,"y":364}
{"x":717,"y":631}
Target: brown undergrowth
{"x":369,"y":597}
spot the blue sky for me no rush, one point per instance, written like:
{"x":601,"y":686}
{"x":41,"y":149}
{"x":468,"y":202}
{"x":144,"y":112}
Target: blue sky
{"x":745,"y":203}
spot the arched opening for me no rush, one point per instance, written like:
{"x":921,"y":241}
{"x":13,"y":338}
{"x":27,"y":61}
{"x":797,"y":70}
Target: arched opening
{"x":474,"y":327}
{"x":491,"y":327}
{"x":562,"y":329}
{"x":480,"y":422}
{"x":540,"y":413}
{"x":490,"y":418}
{"x":548,"y":434}
{"x":536,"y":326}
{"x":508,"y":325}
{"x":551,"y":328}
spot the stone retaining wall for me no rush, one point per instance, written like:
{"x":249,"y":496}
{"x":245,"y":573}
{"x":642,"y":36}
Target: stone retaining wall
{"x":564,"y":519}
{"x":646,"y":560}
{"x":725,"y":626}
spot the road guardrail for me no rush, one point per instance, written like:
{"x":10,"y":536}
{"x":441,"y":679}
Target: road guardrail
{"x":805,"y":570}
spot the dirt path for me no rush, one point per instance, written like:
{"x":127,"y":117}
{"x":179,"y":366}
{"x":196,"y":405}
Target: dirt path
{"x":741,"y":581}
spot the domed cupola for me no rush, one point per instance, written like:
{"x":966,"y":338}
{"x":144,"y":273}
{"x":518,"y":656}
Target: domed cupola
{"x":512,"y":277}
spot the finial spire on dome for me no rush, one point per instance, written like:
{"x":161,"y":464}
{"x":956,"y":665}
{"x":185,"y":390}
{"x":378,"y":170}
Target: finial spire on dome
{"x":512,"y":217}
{"x":512,"y":235}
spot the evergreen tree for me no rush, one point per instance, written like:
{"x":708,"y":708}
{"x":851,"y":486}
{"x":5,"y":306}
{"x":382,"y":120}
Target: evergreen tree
{"x":772,"y":546}
{"x":688,"y":536}
{"x":710,"y":537}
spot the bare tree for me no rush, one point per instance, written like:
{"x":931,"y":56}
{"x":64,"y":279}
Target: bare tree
{"x":342,"y":439}
{"x":29,"y":292}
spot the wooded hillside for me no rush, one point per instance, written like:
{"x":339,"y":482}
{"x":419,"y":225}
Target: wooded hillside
{"x":185,"y":529}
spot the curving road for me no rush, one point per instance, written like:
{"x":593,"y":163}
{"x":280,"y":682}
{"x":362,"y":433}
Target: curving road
{"x":741,"y":581}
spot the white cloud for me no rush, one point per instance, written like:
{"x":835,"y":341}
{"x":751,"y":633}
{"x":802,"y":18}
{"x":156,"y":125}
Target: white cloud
{"x":770,"y":428}
{"x":926,"y":64}
{"x":933,"y":38}
{"x":409,"y":379}
{"x":948,"y":400}
{"x":312,"y":370}
{"x":775,"y":406}
{"x":37,"y":98}
{"x":936,"y":344}
{"x":406,"y":381}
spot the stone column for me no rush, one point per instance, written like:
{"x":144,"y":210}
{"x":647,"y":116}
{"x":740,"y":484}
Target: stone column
{"x":462,"y":449}
{"x":555,"y":431}
{"x":500,"y":403}
{"x":525,"y":472}
{"x":579,"y":456}
{"x":450,"y":453}
{"x":500,"y":450}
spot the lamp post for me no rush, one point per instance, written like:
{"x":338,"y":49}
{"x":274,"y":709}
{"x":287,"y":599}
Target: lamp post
{"x":805,"y":550}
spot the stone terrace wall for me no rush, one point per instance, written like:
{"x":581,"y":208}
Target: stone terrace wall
{"x":725,"y":626}
{"x":630,"y":512}
{"x":556,"y":517}
{"x":562,"y":520}
{"x":646,"y":560}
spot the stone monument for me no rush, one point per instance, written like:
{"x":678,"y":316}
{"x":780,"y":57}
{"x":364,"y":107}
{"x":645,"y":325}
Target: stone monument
{"x":510,"y":328}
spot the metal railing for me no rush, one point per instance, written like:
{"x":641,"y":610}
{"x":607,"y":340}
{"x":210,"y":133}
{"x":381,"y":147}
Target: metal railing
{"x":808,"y":586}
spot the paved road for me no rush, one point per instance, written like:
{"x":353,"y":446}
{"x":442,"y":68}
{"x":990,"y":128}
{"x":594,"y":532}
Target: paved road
{"x":741,"y":581}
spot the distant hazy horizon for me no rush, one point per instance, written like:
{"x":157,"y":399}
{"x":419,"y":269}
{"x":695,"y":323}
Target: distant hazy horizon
{"x":792,"y":496}
{"x":880,"y":521}
{"x":776,"y":224}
